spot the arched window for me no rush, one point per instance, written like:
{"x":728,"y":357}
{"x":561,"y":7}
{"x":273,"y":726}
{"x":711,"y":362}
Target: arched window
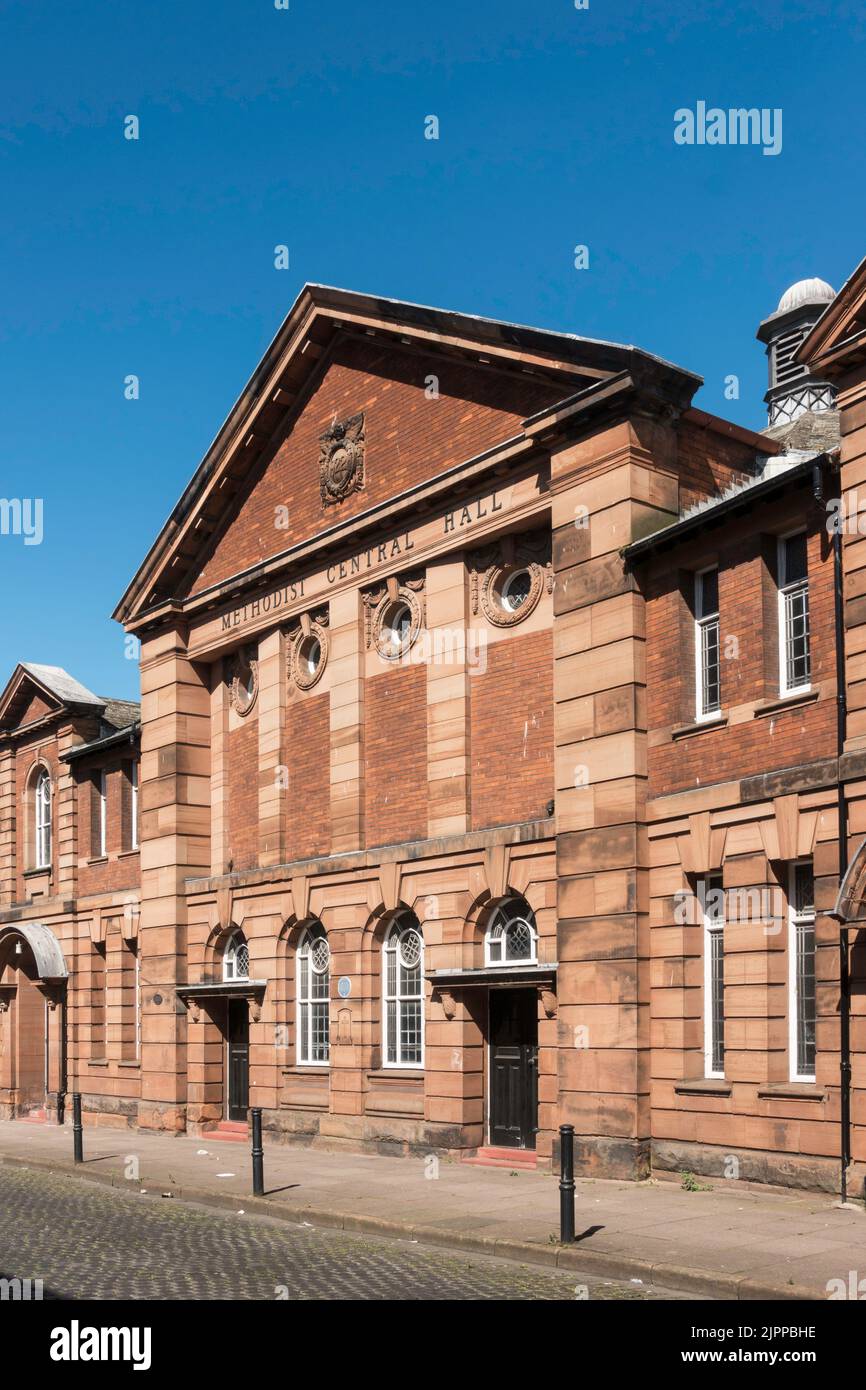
{"x":314,"y":992}
{"x":403,"y":994}
{"x":42,"y":812}
{"x":512,"y":937}
{"x":236,"y":958}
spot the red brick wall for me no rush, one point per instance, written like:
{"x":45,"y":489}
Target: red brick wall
{"x":708,"y":462}
{"x":408,"y":438}
{"x":242,"y":754}
{"x":748,"y":614}
{"x":511,"y":733}
{"x":36,"y":709}
{"x":395,"y":709}
{"x":307,"y":756}
{"x":120,"y":868}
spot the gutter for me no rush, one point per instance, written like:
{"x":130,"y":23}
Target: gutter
{"x":128,"y":734}
{"x":740,"y":501}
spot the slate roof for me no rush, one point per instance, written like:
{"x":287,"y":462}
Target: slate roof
{"x":61,"y":684}
{"x":113,"y":714}
{"x":815,"y":429}
{"x":121,"y":713}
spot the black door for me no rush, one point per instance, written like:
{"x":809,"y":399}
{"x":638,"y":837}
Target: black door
{"x":513,"y":1067}
{"x":239,"y":1058}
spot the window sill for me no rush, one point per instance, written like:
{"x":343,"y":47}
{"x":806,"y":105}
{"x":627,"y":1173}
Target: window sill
{"x":395,"y":1073}
{"x":703,"y":1086}
{"x":307,"y":1069}
{"x":127,"y":853}
{"x":38,"y":873}
{"x":792,"y":1090}
{"x":699,"y":726}
{"x":128,"y":1063}
{"x":785,"y":702}
{"x":97,"y":859}
{"x":97,"y":1061}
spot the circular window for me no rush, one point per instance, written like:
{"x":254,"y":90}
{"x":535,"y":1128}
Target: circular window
{"x":410,"y":948}
{"x":308,"y":655}
{"x":244,"y":682}
{"x":509,"y":593}
{"x":516,"y":590}
{"x":311,"y":655}
{"x":397,"y":623}
{"x":320,"y":955}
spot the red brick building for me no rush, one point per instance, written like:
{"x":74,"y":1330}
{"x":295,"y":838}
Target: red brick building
{"x":492,"y":756}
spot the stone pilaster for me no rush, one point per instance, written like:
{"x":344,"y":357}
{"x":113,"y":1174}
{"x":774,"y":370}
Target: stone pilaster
{"x":66,"y":819}
{"x":175,"y":845}
{"x":219,"y":723}
{"x":607,"y":490}
{"x":8,"y":825}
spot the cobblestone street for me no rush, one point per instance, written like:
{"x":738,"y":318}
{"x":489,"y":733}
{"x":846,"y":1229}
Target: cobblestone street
{"x":89,"y":1243}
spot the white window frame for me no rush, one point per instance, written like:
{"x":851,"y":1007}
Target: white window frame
{"x":133,"y":807}
{"x":784,"y":589}
{"x":703,"y":623}
{"x":235,"y":943}
{"x":42,"y":819}
{"x":102,"y":793}
{"x":401,"y":998}
{"x":497,"y":932}
{"x":794,"y":919}
{"x":306,"y":999}
{"x":712,"y":927}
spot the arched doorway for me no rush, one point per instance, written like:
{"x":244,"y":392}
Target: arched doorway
{"x":33,"y":977}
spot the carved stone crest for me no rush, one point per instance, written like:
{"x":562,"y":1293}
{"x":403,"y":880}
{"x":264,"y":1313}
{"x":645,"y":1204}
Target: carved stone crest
{"x":341,"y":459}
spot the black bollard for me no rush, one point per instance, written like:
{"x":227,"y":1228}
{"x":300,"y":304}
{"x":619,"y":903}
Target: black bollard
{"x":258,"y":1155}
{"x":566,"y":1184}
{"x":77,"y":1144}
{"x":61,"y":1107}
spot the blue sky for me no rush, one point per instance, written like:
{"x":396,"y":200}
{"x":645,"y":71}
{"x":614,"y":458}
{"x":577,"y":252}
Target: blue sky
{"x":261,"y":126}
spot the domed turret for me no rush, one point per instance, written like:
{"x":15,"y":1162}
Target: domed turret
{"x":806,"y":292}
{"x":792,"y":391}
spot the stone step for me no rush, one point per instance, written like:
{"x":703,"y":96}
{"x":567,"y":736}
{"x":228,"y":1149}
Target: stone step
{"x":233,"y":1131}
{"x":498,"y":1157}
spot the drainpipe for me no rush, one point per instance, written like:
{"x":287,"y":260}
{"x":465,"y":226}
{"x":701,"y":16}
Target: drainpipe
{"x":842,"y":811}
{"x":844,"y":956}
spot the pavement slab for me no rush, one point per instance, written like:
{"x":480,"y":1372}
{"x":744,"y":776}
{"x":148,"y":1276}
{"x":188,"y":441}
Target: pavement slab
{"x":790,"y":1244}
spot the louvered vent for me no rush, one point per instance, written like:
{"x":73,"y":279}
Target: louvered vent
{"x":785,"y":369}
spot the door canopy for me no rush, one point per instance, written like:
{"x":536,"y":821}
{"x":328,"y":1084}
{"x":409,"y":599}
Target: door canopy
{"x":47,"y":951}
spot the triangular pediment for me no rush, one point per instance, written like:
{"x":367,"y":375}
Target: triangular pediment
{"x":36,"y":693}
{"x":345,"y":360}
